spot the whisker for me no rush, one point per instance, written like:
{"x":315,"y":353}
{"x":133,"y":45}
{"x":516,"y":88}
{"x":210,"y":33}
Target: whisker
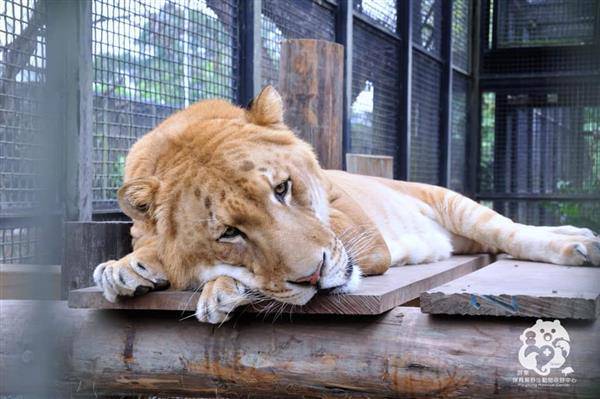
{"x":189,"y":299}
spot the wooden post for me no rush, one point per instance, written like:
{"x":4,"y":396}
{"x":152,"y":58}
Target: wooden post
{"x":402,"y":353}
{"x":370,"y":165}
{"x":89,"y":244}
{"x":311,"y":80}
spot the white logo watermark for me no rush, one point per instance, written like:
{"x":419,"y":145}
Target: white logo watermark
{"x":545,"y":347}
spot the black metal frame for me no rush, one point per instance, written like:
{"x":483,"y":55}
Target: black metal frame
{"x":405,"y":28}
{"x":518,"y":77}
{"x":343,"y":35}
{"x":446,"y":94}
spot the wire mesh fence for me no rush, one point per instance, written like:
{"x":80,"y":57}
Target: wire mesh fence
{"x":152,"y":58}
{"x":282,"y":20}
{"x":427,"y":25}
{"x":461,"y":34}
{"x":539,"y":142}
{"x":542,"y":142}
{"x":541,"y":37}
{"x":20,"y":244}
{"x":545,"y":23}
{"x":381,"y":12}
{"x":375,"y":84}
{"x":22,"y":77}
{"x":425,"y":120}
{"x":459,"y":132}
{"x":22,"y":74}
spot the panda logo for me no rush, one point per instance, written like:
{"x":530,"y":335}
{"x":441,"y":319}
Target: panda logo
{"x":546,"y":346}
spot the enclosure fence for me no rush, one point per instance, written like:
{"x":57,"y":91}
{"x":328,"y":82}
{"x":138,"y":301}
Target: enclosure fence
{"x":499,"y":100}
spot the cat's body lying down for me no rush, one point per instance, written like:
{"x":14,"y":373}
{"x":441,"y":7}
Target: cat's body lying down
{"x":231,"y":200}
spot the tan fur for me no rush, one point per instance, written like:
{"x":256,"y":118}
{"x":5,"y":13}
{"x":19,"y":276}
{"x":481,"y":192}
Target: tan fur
{"x":215,"y":165}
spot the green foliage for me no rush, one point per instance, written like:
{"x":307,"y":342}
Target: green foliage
{"x":180,"y":55}
{"x":579,"y":213}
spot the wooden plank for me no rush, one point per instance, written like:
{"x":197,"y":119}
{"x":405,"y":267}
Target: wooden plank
{"x":519,"y":288}
{"x":403,"y":353}
{"x":88,"y":244}
{"x":376,"y":295}
{"x":370,"y":165}
{"x":29,"y":281}
{"x":311,"y":80}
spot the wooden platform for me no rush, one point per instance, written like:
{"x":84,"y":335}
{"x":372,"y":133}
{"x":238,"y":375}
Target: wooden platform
{"x":401,"y":354}
{"x":376,"y":295}
{"x":519,"y":288}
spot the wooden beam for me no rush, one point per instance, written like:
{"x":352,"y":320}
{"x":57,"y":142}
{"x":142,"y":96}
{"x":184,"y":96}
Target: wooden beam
{"x":29,"y":281}
{"x":370,"y":165}
{"x":311,"y":79}
{"x":519,"y":288}
{"x":88,"y":244}
{"x":403,"y":353}
{"x":377,"y":294}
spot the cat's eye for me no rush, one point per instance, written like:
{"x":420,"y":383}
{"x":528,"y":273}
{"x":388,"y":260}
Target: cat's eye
{"x":281,"y":190}
{"x":230,"y":233}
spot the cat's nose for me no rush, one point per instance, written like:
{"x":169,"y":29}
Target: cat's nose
{"x":314,"y":278}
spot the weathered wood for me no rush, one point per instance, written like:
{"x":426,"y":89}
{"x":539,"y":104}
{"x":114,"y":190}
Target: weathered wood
{"x":88,"y":244}
{"x":29,"y":281}
{"x":376,"y":295}
{"x":311,"y":80}
{"x":519,"y":288}
{"x":370,"y":165}
{"x":403,"y":353}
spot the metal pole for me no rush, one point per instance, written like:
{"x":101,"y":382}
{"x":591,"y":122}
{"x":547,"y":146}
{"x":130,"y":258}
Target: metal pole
{"x":402,"y":164}
{"x":446,"y":96}
{"x":474,"y":117}
{"x":343,"y":36}
{"x":250,"y":46}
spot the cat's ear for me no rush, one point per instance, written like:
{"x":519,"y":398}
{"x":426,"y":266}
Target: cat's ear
{"x":267,"y":108}
{"x":136,"y":197}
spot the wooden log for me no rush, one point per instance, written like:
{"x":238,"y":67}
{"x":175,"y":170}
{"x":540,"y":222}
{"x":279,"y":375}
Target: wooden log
{"x":88,"y":244}
{"x":519,"y":288}
{"x":29,"y":281}
{"x":403,"y":353}
{"x":370,"y":165}
{"x":377,"y":294}
{"x":311,"y":81}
